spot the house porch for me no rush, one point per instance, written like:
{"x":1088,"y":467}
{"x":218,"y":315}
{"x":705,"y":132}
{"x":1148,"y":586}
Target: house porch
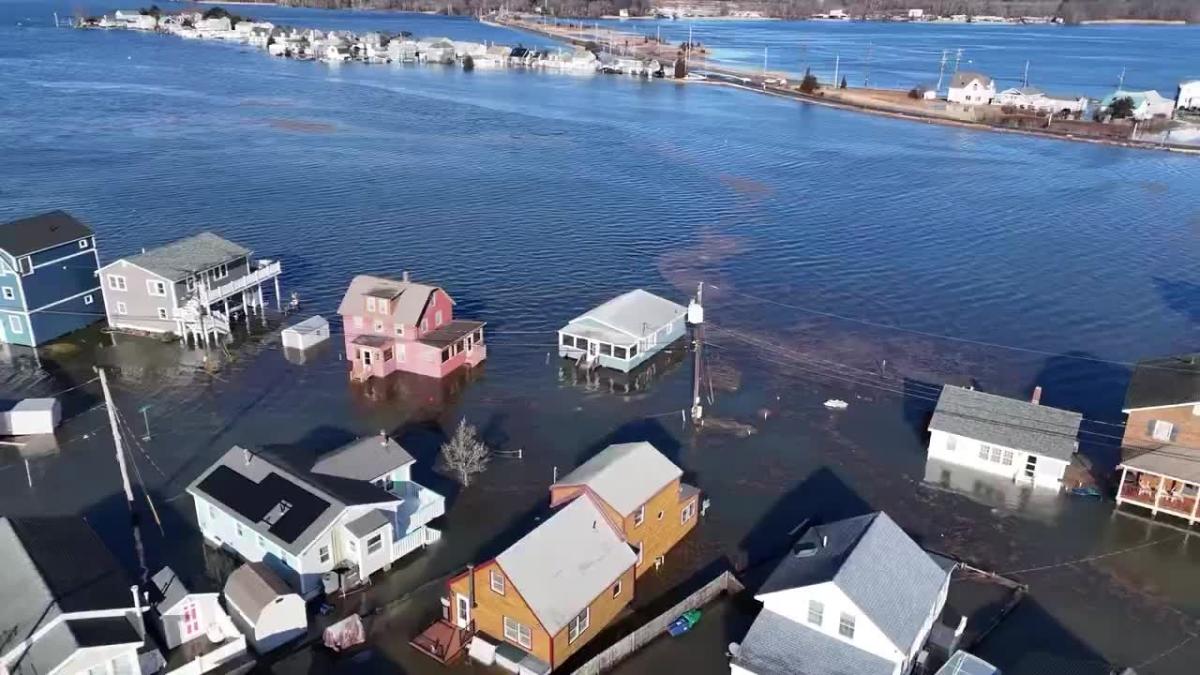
{"x":1160,"y":493}
{"x":442,"y":641}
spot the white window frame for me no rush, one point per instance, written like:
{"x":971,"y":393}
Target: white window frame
{"x":370,"y":303}
{"x":399,"y":330}
{"x":437,"y":318}
{"x":358,"y":322}
{"x":9,"y":294}
{"x":951,"y":442}
{"x":639,"y":516}
{"x":116,"y":282}
{"x":262,"y":543}
{"x":14,"y":324}
{"x":323,"y":554}
{"x":579,"y":625}
{"x":162,"y":313}
{"x":688,"y":512}
{"x":83,"y":243}
{"x":156,"y":288}
{"x":378,"y":326}
{"x":846,"y":626}
{"x":222,"y":271}
{"x":122,"y":309}
{"x":237,"y":528}
{"x":816,"y":609}
{"x":617,"y":589}
{"x":375,"y":543}
{"x":25,"y":265}
{"x":518,"y":633}
{"x":496,"y":581}
{"x":88,"y":299}
{"x":1162,"y":430}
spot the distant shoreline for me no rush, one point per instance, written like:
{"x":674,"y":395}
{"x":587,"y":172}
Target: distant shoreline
{"x":1134,"y":22}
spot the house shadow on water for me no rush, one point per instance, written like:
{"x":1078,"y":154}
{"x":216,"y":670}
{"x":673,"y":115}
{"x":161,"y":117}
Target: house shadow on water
{"x":1030,"y":641}
{"x":1180,"y":296}
{"x":647,"y":429}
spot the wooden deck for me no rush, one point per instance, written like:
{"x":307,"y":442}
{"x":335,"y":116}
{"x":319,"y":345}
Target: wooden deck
{"x":442,"y":641}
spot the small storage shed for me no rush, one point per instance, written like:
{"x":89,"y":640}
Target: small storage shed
{"x":306,"y":334}
{"x":263,"y":607}
{"x":30,"y":416}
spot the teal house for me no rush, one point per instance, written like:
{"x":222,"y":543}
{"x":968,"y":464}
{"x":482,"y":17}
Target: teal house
{"x":49,"y":285}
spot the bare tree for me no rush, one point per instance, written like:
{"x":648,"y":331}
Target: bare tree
{"x":464,"y":453}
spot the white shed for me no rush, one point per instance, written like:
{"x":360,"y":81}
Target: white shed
{"x":306,"y":334}
{"x":264,"y":607}
{"x":30,"y":416}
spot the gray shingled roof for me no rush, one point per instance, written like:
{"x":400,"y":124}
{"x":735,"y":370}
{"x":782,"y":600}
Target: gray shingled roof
{"x":777,"y":645}
{"x":369,"y":522}
{"x":183,"y":258}
{"x":963,"y":77}
{"x":364,"y":459}
{"x":252,"y":587}
{"x":408,"y":299}
{"x":43,"y":579}
{"x":625,"y":475}
{"x":1176,"y":461}
{"x":566,"y":562}
{"x":1173,"y":380}
{"x":36,"y":233}
{"x":856,"y":554}
{"x":626,"y":317}
{"x":1006,"y":421}
{"x":67,"y":637}
{"x":171,"y":589}
{"x":963,"y":663}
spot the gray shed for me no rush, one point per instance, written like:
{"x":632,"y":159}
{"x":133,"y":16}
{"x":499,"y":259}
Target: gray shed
{"x":307,"y":334}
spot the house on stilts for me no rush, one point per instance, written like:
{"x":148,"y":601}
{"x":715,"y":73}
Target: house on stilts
{"x":624,"y":332}
{"x":190,"y":288}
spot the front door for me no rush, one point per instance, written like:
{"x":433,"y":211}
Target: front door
{"x":592,"y":347}
{"x":366,"y":356}
{"x":463,"y":615}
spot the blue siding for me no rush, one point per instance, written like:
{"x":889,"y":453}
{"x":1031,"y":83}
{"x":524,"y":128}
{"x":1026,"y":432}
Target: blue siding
{"x":12,"y":282}
{"x":61,"y":279}
{"x":68,"y":317}
{"x":10,"y":335}
{"x":68,"y":271}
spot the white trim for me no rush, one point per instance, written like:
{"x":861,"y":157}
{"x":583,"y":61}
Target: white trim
{"x":9,"y":293}
{"x":150,"y":288}
{"x":59,"y":302}
{"x":76,"y":254}
{"x":1161,"y":407}
{"x":123,"y":262}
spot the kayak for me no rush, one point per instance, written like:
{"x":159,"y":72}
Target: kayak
{"x":684,"y":623}
{"x":1085,"y":492}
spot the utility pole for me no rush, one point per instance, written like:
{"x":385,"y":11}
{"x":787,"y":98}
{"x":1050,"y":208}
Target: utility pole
{"x":687,"y":54}
{"x":116,"y":434}
{"x":867,"y":74}
{"x":695,"y":317}
{"x":1025,"y":80}
{"x":765,"y":60}
{"x":957,"y":58}
{"x":837,"y":65}
{"x":942,"y":70}
{"x":1121,"y":82}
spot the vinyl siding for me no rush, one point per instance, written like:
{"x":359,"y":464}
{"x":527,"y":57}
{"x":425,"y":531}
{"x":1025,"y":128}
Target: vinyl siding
{"x":491,"y":608}
{"x":1137,"y":427}
{"x":603,"y":610}
{"x":141,"y":307}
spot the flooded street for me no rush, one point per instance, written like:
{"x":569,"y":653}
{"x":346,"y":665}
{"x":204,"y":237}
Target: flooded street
{"x":844,"y":256}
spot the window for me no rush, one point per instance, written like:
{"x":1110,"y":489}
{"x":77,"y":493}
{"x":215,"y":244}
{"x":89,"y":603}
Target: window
{"x":14,"y":323}
{"x":437,"y":318}
{"x":122,"y":309}
{"x":222,"y":271}
{"x":445,"y":355}
{"x":846,"y":626}
{"x":26,"y":266}
{"x":1006,"y":458}
{"x":83,"y":243}
{"x":985,"y":451}
{"x":606,"y":349}
{"x":158,"y":288}
{"x":358,"y":322}
{"x":617,"y":589}
{"x":162,"y":313}
{"x":387,"y":355}
{"x":191,"y":283}
{"x":578,"y":625}
{"x":632,"y":351}
{"x":116,"y":282}
{"x":688,"y":512}
{"x":816,"y":612}
{"x":87,"y":299}
{"x":400,"y":353}
{"x":262,"y":542}
{"x":639,"y":556}
{"x":620,"y":352}
{"x":1161,"y":431}
{"x":518,"y":633}
{"x":237,"y":527}
{"x":323,"y":554}
{"x":496,"y":579}
{"x":378,"y":326}
{"x":191,"y":619}
{"x":568,"y":341}
{"x":399,"y":330}
{"x":352,"y":545}
{"x":424,"y":325}
{"x":660,"y":515}
{"x":383,"y":306}
{"x":374,"y":544}
{"x":370,"y":304}
{"x":639,"y":515}
{"x":8,"y":293}
{"x":581,"y":343}
{"x":951,"y":443}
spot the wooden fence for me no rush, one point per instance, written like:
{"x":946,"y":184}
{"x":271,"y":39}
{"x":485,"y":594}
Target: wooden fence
{"x":605,"y":660}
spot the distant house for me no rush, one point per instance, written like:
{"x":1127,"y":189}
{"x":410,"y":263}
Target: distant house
{"x":550,"y":593}
{"x":964,"y":663}
{"x":214,"y":25}
{"x":436,"y":50}
{"x":65,"y":604}
{"x":623,"y":332}
{"x":1030,"y":98}
{"x":193,"y":625}
{"x":403,"y":51}
{"x":392,"y":326}
{"x":1160,"y":467}
{"x":264,"y":608}
{"x":641,"y":491}
{"x":356,"y":508}
{"x":189,"y":287}
{"x":1188,"y":96}
{"x":854,"y":596}
{"x":48,"y":284}
{"x":971,"y":88}
{"x":1146,"y":104}
{"x":1019,"y":440}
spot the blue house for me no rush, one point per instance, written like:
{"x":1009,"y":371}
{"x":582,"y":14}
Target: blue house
{"x":49,"y":284}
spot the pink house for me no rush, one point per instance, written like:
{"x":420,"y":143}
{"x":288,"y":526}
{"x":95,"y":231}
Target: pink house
{"x":404,"y":326}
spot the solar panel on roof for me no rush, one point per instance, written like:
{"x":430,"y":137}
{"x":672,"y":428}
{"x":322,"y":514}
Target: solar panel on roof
{"x":255,"y":501}
{"x":304,"y":507}
{"x":237,"y":492}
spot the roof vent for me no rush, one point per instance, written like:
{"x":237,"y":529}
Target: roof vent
{"x":247,"y":456}
{"x":383,"y":439}
{"x":806,"y":549}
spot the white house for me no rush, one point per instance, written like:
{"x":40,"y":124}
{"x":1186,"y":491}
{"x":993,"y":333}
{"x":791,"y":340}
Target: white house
{"x":65,"y":604}
{"x":965,"y":663}
{"x":623,"y":332}
{"x":1030,"y":98}
{"x":970,"y":88}
{"x":264,"y":607}
{"x":355,"y":508}
{"x":1188,"y":96}
{"x":193,"y":624}
{"x":1019,"y":440}
{"x":854,"y":596}
{"x":214,"y":26}
{"x":1146,"y":104}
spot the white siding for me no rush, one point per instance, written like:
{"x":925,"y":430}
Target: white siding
{"x":966,"y":452}
{"x":794,"y":604}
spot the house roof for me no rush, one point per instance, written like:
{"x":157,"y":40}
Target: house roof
{"x":855,"y":554}
{"x":252,"y":587}
{"x":183,"y":258}
{"x":1138,"y":97}
{"x":1006,"y":421}
{"x":43,"y":578}
{"x":35,"y":233}
{"x":170,"y":589}
{"x":1174,"y":380}
{"x":963,"y":77}
{"x":632,"y":315}
{"x":364,"y":459}
{"x":566,"y":562}
{"x":67,"y":637}
{"x":450,"y":333}
{"x":312,"y":324}
{"x":965,"y":663}
{"x":1176,"y":461}
{"x":777,"y":645}
{"x":625,"y":475}
{"x":369,"y":522}
{"x":1024,"y":91}
{"x":408,"y":299}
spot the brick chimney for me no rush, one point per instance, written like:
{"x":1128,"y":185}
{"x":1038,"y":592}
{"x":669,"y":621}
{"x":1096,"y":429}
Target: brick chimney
{"x":1037,"y":395}
{"x":405,"y":276}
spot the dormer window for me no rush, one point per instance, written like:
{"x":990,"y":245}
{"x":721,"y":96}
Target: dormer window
{"x":26,"y":266}
{"x":370,"y":304}
{"x":83,"y":243}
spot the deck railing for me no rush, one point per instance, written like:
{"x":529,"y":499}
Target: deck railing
{"x":264,"y":272}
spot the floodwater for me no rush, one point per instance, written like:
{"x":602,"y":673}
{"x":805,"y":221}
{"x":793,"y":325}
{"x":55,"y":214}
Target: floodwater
{"x":845,"y":256}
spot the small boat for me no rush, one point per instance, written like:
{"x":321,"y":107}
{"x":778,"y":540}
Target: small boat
{"x":684,"y":623}
{"x":836,"y":404}
{"x":1085,"y":492}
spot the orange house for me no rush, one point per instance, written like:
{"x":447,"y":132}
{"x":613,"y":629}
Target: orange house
{"x":548,"y":594}
{"x":640,"y":490}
